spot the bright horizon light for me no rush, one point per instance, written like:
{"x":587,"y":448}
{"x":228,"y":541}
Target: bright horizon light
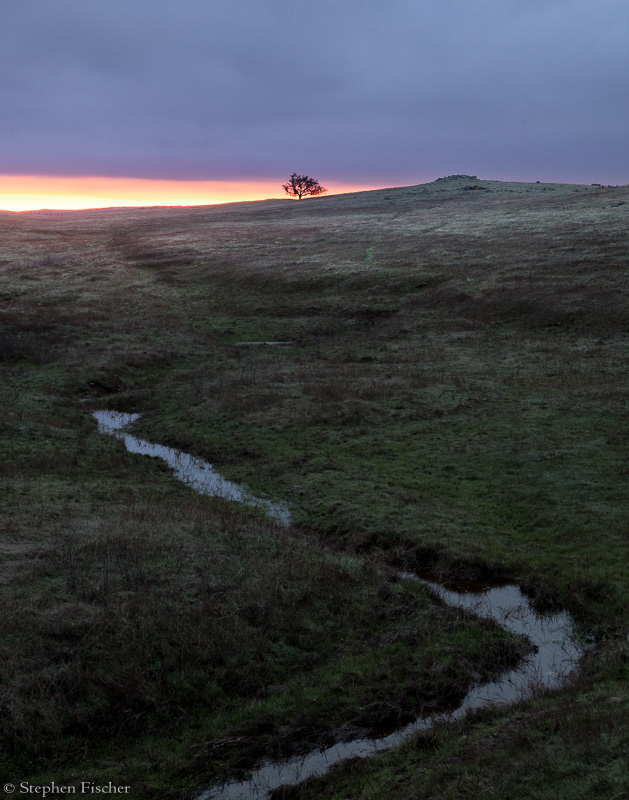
{"x":39,"y":192}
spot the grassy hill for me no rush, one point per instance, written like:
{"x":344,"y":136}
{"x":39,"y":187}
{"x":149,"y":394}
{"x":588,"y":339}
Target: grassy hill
{"x":433,"y":377}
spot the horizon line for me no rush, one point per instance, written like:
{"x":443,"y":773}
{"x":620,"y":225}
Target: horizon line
{"x":57,"y":193}
{"x":23,"y":193}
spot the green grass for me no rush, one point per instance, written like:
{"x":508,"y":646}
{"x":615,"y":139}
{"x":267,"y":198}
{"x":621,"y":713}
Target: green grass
{"x":569,"y":747}
{"x":139,"y":617}
{"x":451,"y":394}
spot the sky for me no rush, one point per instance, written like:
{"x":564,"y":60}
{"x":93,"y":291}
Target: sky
{"x":152,"y":102}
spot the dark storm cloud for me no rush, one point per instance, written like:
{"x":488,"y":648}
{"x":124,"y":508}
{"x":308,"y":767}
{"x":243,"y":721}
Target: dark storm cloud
{"x":352,"y":90}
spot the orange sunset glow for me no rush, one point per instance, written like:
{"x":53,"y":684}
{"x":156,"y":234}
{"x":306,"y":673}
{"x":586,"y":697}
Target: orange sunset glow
{"x":32,"y":192}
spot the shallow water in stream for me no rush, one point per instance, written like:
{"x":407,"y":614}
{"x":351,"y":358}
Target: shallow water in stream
{"x":557,"y":652}
{"x":193,"y":471}
{"x":549,"y":667}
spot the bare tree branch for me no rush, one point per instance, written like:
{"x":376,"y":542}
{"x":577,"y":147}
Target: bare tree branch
{"x":301,"y":185}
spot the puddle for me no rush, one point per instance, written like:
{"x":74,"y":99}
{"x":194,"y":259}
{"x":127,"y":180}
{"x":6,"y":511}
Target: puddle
{"x":548,"y":668}
{"x":193,"y":471}
{"x":262,"y":344}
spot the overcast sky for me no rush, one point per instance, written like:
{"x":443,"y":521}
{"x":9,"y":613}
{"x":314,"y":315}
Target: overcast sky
{"x":388,"y":92}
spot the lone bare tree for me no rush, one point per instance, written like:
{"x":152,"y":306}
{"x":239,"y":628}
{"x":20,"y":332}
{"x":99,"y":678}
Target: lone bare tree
{"x":301,"y":185}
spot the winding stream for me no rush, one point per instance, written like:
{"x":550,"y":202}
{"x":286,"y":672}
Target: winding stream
{"x":193,"y":471}
{"x":556,"y":656}
{"x":549,"y":667}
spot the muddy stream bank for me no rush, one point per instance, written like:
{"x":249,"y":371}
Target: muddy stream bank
{"x":556,"y":650}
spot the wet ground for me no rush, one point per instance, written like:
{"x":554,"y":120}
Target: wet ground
{"x":194,"y":471}
{"x":552,"y":635}
{"x":556,"y":656}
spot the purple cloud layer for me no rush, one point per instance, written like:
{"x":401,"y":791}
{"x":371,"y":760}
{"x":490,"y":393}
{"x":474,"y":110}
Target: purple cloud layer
{"x":358,"y":90}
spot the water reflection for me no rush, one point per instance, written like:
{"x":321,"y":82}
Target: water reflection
{"x":193,"y":471}
{"x":549,"y":667}
{"x":556,"y":656}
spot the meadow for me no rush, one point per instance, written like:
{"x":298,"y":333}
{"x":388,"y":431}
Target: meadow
{"x":434,"y":378}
